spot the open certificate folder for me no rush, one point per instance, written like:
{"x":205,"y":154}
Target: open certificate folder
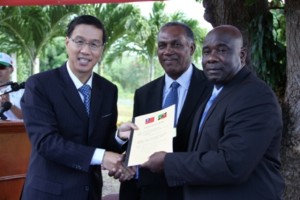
{"x":155,"y":133}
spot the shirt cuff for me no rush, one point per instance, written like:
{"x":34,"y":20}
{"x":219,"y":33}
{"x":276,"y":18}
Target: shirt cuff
{"x":97,"y":157}
{"x":118,"y":139}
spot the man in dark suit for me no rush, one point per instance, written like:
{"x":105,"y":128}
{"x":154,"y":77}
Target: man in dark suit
{"x":71,"y":134}
{"x":234,"y":153}
{"x":175,"y":49}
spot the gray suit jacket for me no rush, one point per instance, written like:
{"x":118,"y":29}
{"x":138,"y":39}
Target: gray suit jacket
{"x":236,"y":153}
{"x":64,"y":138}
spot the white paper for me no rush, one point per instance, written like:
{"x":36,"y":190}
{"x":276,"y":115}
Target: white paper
{"x":155,"y":133}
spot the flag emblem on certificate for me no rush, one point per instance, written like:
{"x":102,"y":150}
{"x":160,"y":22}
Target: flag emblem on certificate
{"x":161,"y":116}
{"x":149,"y":120}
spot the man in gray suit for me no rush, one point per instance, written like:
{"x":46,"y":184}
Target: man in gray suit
{"x":72,"y":132}
{"x":233,"y":150}
{"x":176,"y":47}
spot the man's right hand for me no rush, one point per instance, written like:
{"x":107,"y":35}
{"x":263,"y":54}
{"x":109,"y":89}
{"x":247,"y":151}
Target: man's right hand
{"x":113,"y":162}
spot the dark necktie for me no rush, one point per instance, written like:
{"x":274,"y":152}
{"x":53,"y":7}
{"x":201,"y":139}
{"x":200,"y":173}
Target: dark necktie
{"x":85,"y":90}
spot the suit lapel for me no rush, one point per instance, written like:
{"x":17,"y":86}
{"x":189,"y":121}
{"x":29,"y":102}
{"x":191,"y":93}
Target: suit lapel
{"x":197,"y":88}
{"x":71,"y":94}
{"x":227,"y":89}
{"x":96,"y":102}
{"x":198,"y":131}
{"x":154,"y":103}
{"x":157,"y":97}
{"x":194,"y":135}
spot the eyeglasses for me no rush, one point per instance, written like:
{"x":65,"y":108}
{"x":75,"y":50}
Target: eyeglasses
{"x":94,"y":45}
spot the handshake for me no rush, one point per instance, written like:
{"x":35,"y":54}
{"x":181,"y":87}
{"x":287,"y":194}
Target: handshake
{"x":114,"y":162}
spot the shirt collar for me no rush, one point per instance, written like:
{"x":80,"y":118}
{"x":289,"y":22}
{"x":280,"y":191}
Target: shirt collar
{"x":76,"y":81}
{"x":184,"y":80}
{"x":217,"y":91}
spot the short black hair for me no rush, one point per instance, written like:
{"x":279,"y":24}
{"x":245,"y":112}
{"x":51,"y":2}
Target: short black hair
{"x":187,"y":29}
{"x":86,"y":19}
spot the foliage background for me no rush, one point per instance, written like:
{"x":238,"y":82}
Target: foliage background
{"x":270,"y":29}
{"x":36,"y":35}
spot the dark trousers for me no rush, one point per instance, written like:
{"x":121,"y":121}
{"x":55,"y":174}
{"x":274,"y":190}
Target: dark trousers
{"x":129,"y":190}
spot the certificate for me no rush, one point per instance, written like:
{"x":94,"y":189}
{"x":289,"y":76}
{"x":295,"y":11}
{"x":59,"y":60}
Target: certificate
{"x":155,"y":133}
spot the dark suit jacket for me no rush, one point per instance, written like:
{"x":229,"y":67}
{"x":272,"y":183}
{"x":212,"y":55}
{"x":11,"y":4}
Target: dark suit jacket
{"x":148,"y":99}
{"x":64,"y":138}
{"x":236,"y":153}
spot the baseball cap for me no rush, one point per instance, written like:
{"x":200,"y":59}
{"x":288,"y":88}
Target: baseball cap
{"x":5,"y":59}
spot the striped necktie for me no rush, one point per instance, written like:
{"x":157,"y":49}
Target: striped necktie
{"x":85,"y":90}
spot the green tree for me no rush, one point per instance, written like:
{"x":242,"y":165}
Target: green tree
{"x":54,"y":54}
{"x":128,"y":72}
{"x":28,"y":30}
{"x":141,"y":41}
{"x":118,"y":19}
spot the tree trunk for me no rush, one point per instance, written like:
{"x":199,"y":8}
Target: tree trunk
{"x":36,"y":65}
{"x":235,"y":12}
{"x":291,"y":138}
{"x":239,"y":14}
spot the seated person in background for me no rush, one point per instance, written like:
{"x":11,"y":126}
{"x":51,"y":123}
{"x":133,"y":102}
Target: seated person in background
{"x":6,"y":69}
